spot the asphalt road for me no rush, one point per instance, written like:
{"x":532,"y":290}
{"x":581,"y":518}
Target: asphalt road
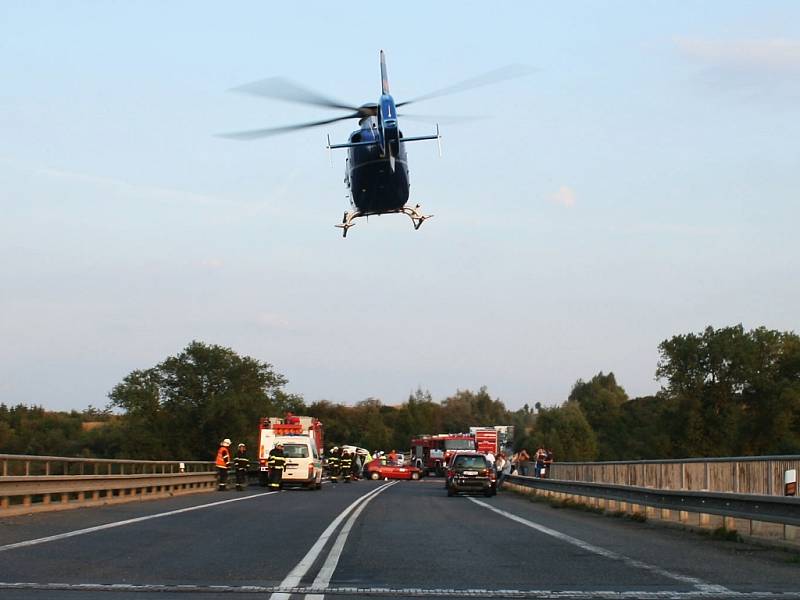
{"x":370,"y":540}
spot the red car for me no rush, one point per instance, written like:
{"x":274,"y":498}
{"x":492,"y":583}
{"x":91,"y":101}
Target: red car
{"x":376,"y":470}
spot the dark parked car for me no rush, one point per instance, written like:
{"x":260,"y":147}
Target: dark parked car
{"x":470,"y":472}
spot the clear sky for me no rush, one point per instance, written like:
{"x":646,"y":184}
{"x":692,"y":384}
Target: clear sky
{"x":641,"y":182}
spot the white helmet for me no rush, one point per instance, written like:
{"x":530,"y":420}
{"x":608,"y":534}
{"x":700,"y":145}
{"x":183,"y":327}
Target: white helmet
{"x":226,"y":442}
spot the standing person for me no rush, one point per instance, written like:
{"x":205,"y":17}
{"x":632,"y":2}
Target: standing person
{"x":499,"y":465}
{"x":346,"y":465}
{"x":490,"y":458}
{"x":523,"y":458}
{"x":393,"y":457}
{"x":548,"y":461}
{"x":540,"y":456}
{"x":506,"y":470}
{"x":276,"y":463}
{"x":222,"y":462}
{"x":333,"y":464}
{"x":241,"y":463}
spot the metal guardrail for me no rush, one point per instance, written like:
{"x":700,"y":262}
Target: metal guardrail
{"x":771,"y":509}
{"x":740,"y":475}
{"x":45,"y":483}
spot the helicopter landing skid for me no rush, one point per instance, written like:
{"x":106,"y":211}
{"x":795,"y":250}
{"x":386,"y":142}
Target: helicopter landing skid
{"x":417,"y":218}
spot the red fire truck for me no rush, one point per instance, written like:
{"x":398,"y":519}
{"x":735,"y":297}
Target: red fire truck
{"x":431,"y":452}
{"x":486,"y":439}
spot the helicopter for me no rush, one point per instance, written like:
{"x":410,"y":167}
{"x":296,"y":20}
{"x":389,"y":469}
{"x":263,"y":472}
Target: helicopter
{"x":376,"y":168}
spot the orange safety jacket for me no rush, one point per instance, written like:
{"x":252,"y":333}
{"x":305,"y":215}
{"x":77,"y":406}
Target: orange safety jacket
{"x":223,"y":457}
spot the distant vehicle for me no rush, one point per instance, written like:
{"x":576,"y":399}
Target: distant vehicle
{"x":486,"y":440}
{"x":303,"y":466}
{"x":430,"y":453}
{"x":377,"y":469}
{"x":470,"y":472}
{"x":302,"y":446}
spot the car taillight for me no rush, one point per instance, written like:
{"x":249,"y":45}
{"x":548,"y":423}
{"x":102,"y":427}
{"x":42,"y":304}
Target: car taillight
{"x":484,"y":472}
{"x":310,"y":470}
{"x":263,"y":462}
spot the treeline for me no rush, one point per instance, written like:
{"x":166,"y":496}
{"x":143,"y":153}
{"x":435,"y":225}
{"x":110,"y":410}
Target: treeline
{"x":725,"y":392}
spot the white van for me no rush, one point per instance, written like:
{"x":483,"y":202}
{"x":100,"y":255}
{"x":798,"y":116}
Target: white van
{"x":303,"y":463}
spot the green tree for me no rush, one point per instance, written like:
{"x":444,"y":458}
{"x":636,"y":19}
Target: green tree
{"x":732,"y":391}
{"x":565,"y":430}
{"x":183,"y":406}
{"x":601,"y":399}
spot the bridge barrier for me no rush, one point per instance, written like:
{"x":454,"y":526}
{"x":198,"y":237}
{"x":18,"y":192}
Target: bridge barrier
{"x":738,"y":475}
{"x":44,"y":483}
{"x":754,"y":516}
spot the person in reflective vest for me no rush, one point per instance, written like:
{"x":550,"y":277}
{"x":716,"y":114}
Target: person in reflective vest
{"x":276,"y":463}
{"x":346,"y":465}
{"x":333,"y":464}
{"x":222,"y":463}
{"x":241,"y":463}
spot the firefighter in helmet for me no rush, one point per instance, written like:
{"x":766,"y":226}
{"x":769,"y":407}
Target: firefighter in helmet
{"x":346,"y":465}
{"x":276,"y":463}
{"x":222,"y":463}
{"x":333,"y":464}
{"x":241,"y":463}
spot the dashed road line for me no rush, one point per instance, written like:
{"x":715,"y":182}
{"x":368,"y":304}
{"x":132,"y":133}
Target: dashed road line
{"x":408,"y":592}
{"x":699,"y":584}
{"x":69,"y":534}
{"x":325,"y":574}
{"x":292,"y":580}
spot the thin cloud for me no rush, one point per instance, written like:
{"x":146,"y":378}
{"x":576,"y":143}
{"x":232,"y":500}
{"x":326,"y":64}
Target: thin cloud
{"x":778,"y":54}
{"x":565,"y":196}
{"x":212,"y":263}
{"x":272,"y":321}
{"x":126,"y":188}
{"x":767,"y":70}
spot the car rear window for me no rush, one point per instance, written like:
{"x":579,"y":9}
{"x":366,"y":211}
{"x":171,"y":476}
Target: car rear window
{"x":295,"y":451}
{"x":470,"y":462}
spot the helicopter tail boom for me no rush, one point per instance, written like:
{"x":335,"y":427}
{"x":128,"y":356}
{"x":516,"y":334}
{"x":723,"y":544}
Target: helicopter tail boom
{"x":384,"y":76}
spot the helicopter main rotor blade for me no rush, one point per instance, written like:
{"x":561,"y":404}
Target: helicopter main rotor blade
{"x":442,"y":119}
{"x":496,"y":76}
{"x":289,"y":91}
{"x":255,"y":134}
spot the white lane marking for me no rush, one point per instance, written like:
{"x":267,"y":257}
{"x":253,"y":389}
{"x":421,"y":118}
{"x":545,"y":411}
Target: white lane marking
{"x":325,"y":574}
{"x":69,"y":534}
{"x":294,"y":577}
{"x":697,"y":583}
{"x":409,"y":592}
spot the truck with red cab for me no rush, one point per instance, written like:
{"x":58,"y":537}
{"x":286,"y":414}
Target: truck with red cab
{"x":430,"y":453}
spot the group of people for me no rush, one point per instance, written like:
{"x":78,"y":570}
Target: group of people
{"x":224,"y":461}
{"x":517,"y":463}
{"x":275,"y":463}
{"x":347,"y":463}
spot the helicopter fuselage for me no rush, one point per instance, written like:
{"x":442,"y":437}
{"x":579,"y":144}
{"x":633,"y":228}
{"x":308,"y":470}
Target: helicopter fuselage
{"x":377,"y":180}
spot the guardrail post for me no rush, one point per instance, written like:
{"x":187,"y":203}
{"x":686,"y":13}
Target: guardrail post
{"x":705,"y":476}
{"x":770,"y":484}
{"x":27,"y":468}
